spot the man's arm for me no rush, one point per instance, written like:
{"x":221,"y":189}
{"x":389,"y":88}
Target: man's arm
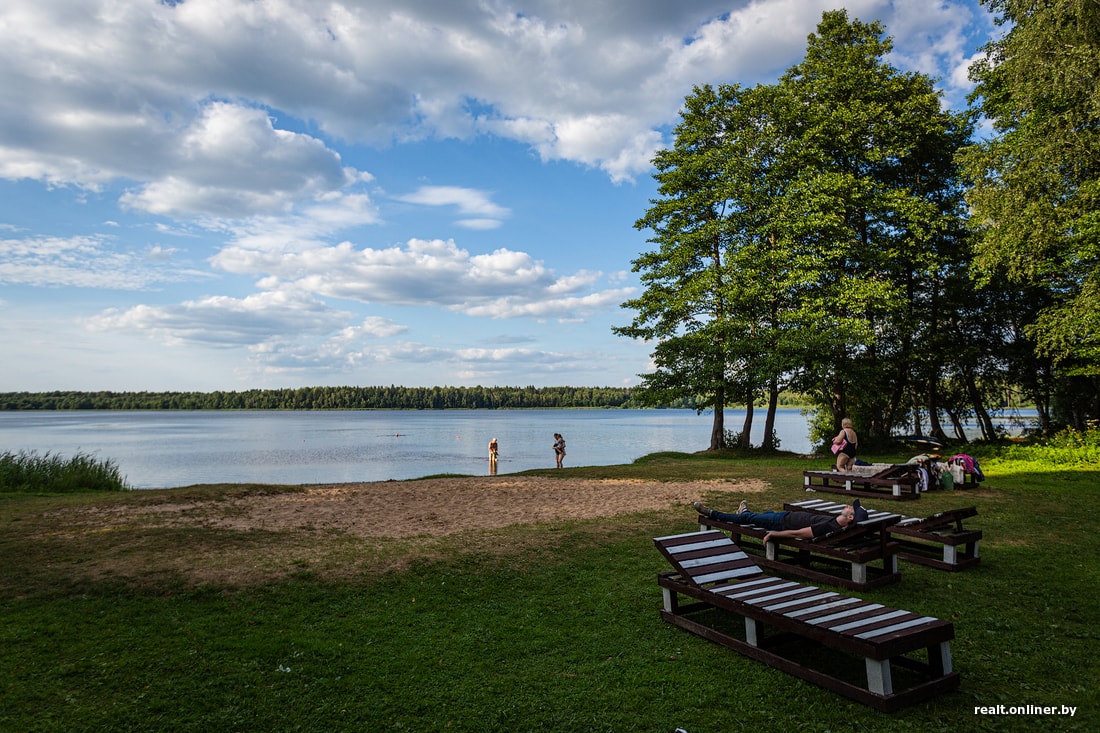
{"x":805,"y":533}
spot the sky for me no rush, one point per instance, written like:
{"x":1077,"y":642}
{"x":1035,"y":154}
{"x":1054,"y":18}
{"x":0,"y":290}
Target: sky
{"x":258,"y":194}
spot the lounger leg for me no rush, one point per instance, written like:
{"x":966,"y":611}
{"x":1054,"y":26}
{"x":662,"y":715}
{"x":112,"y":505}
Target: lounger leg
{"x":859,"y":572}
{"x":750,"y":632}
{"x":670,"y":600}
{"x":950,"y":554}
{"x":939,"y":659}
{"x":878,"y":677}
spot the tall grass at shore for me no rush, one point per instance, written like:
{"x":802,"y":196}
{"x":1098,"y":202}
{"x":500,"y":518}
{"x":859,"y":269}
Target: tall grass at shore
{"x":30,"y":472}
{"x":544,"y":627}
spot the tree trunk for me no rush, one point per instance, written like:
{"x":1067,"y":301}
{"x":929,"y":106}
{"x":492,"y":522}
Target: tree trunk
{"x":985,"y":423}
{"x":718,"y":426}
{"x":935,"y":429}
{"x":769,"y":420}
{"x":746,"y":429}
{"x":956,"y":423}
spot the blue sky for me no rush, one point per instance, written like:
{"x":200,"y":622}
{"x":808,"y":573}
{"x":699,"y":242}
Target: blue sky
{"x":236,"y":194}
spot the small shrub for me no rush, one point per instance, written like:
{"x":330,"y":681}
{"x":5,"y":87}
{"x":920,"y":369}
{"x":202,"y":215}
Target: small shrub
{"x":30,"y":472}
{"x":1066,"y":448}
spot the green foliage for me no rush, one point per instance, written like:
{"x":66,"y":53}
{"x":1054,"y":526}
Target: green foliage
{"x":810,"y":236}
{"x":30,"y":472}
{"x":1036,"y":182}
{"x":328,"y":398}
{"x":1067,"y":448}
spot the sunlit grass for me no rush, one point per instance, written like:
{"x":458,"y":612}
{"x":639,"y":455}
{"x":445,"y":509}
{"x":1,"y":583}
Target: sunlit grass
{"x":548,"y":627}
{"x":30,"y":472}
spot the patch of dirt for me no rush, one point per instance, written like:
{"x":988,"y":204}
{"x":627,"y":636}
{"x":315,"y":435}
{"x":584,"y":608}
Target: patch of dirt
{"x":341,"y":530}
{"x":435,"y":507}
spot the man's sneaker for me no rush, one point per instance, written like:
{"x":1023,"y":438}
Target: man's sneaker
{"x":742,"y":507}
{"x":702,"y":509}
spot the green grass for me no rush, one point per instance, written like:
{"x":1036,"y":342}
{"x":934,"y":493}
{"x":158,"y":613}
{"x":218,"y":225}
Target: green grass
{"x":550,"y":627}
{"x":30,"y":472}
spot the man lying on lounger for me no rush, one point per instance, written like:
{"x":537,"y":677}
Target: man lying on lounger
{"x":803,"y":525}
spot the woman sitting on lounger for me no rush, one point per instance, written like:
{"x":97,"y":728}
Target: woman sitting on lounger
{"x":848,"y":440}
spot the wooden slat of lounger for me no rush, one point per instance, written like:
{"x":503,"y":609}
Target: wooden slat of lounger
{"x":861,"y":618}
{"x":941,"y":519}
{"x":818,"y":603}
{"x":820,"y":505}
{"x":782,"y":592}
{"x":826,"y":613}
{"x":765,"y":584}
{"x":707,"y":557}
{"x":902,"y":626}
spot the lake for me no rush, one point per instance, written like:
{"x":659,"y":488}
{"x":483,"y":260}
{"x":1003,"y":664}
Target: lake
{"x":177,"y":448}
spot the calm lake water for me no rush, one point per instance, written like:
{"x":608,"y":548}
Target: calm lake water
{"x":168,"y":449}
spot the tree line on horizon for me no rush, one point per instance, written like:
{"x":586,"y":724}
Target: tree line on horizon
{"x":843,"y":235}
{"x":330,"y":398}
{"x":350,"y":398}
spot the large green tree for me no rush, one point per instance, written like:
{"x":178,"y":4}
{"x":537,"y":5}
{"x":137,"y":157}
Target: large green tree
{"x":685,"y":307}
{"x":877,"y":205}
{"x":1036,"y":192}
{"x":809,"y":232}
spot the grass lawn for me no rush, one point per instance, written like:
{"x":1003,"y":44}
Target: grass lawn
{"x":549,"y":627}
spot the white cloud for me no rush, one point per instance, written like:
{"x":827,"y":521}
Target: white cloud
{"x":242,"y":128}
{"x":479,"y":224}
{"x":174,"y":95}
{"x":219,"y":320}
{"x":468,"y":201}
{"x":232,"y":163}
{"x":89,"y":261}
{"x":501,"y":284}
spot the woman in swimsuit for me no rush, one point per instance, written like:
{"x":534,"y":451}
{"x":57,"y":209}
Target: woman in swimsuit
{"x":846,"y":456}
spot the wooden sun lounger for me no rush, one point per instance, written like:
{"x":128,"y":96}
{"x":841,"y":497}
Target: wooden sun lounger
{"x":781,"y":616}
{"x":938,"y":541}
{"x":860,"y":557}
{"x":891,"y":481}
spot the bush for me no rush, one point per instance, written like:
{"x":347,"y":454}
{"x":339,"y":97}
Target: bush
{"x":30,"y":472}
{"x":1066,"y":448}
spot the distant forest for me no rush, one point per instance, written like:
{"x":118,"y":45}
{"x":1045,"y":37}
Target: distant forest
{"x":348,"y":398}
{"x":330,"y":398}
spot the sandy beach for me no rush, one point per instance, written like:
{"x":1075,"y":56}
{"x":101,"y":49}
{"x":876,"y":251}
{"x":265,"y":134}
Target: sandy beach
{"x":340,"y":530}
{"x":434,"y":507}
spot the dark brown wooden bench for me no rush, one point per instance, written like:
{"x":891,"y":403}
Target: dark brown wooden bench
{"x":938,"y":541}
{"x":859,"y":557}
{"x":781,"y":616}
{"x":892,"y":481}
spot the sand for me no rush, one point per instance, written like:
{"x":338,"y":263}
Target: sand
{"x":438,"y":507}
{"x":340,"y":531}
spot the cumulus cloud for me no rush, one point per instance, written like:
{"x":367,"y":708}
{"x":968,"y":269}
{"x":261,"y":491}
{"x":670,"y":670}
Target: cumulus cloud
{"x":219,"y":320}
{"x":184,"y":98}
{"x":245,"y":127}
{"x":500,"y":284}
{"x":88,"y":261}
